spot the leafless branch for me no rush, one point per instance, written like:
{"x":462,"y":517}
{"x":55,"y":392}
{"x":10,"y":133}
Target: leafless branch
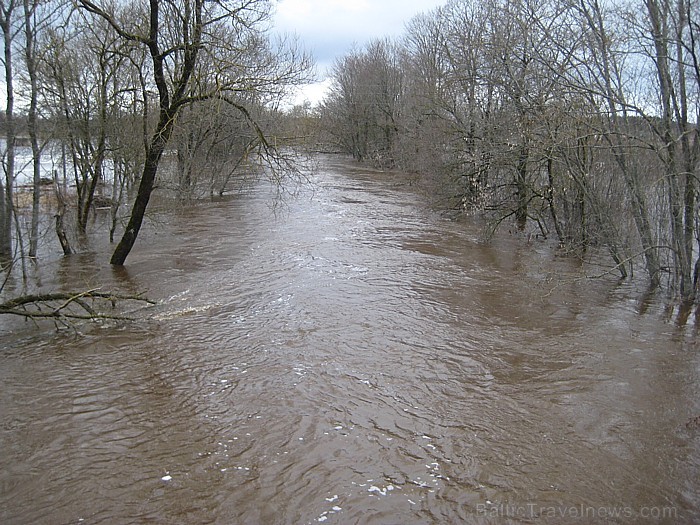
{"x":65,"y":306}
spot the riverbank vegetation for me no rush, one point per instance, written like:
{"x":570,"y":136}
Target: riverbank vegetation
{"x":122,"y":99}
{"x":568,"y":120}
{"x":559,"y":119}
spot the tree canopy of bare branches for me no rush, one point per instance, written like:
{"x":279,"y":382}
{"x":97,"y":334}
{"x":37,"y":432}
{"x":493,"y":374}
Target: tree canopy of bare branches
{"x":577,"y":120}
{"x":106,"y":86}
{"x":199,"y":51}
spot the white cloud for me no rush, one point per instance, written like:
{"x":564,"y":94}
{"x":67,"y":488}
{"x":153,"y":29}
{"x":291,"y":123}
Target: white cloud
{"x":311,"y":93}
{"x":330,"y":28}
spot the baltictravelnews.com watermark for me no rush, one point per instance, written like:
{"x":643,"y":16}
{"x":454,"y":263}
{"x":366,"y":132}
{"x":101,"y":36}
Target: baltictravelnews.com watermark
{"x":574,"y":512}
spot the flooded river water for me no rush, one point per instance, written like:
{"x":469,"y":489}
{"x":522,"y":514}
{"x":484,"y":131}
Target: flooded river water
{"x":349,"y":358}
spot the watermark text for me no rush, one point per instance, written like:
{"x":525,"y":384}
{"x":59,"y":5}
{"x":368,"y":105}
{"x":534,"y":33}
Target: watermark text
{"x":574,"y":512}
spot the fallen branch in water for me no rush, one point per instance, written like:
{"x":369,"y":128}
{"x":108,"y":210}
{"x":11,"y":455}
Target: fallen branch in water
{"x":69,"y":306}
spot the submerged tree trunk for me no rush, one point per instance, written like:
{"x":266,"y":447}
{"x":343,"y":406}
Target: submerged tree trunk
{"x":60,"y":213}
{"x":615,"y":100}
{"x":550,"y":199}
{"x":30,"y":7}
{"x":61,"y":230}
{"x":521,"y":187}
{"x":155,"y":152}
{"x":6,"y":201}
{"x":675,"y":131}
{"x":36,"y":188}
{"x":117,"y":192}
{"x":170,"y":102}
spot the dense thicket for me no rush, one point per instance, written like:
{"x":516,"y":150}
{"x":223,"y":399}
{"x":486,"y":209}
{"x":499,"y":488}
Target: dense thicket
{"x":572,"y":118}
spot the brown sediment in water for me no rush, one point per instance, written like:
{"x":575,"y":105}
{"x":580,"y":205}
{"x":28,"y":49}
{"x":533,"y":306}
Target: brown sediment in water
{"x":350,"y":357}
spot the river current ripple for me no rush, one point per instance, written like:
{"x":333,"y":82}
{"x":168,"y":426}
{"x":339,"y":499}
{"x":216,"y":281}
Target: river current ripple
{"x":350,"y":357}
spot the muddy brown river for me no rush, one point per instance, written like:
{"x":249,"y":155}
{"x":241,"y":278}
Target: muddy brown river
{"x":350,"y":357}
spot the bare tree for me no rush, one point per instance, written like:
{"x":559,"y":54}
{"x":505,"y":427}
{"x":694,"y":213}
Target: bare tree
{"x":214,"y":145}
{"x":86,"y":69}
{"x":609,"y":83}
{"x":31,"y":27}
{"x":8,"y":22}
{"x":364,"y":104}
{"x":578,"y":117}
{"x":180,"y":37}
{"x":675,"y":59}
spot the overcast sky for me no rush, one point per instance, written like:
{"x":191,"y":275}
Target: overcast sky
{"x":329,"y":28}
